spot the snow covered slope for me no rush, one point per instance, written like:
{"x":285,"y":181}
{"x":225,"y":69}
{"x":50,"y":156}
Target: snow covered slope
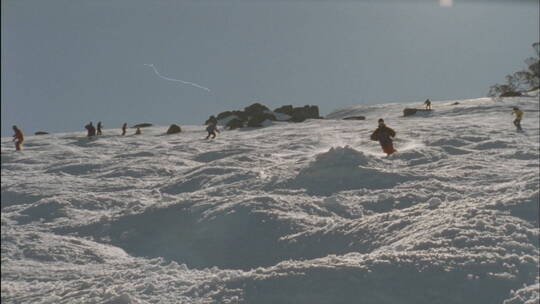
{"x":291,"y":213}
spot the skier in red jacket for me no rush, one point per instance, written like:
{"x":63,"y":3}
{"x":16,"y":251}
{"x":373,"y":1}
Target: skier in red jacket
{"x":18,"y":138}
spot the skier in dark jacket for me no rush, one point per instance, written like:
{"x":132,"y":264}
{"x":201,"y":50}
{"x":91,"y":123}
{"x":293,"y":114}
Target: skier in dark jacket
{"x":91,"y":129}
{"x":212,"y":129}
{"x":124,"y":126}
{"x":384,"y":135}
{"x":428,"y":104}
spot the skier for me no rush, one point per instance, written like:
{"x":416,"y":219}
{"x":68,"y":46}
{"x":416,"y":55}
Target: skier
{"x":124,"y":126}
{"x":18,"y":138}
{"x":384,"y":135}
{"x":212,"y":129}
{"x":138,"y":132}
{"x":428,"y":104}
{"x":91,"y":130}
{"x":519,"y":115}
{"x":99,"y":128}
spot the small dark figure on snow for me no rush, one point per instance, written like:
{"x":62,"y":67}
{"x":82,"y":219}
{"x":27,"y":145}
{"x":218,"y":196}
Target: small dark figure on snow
{"x":138,"y":131}
{"x":99,"y":126}
{"x":18,"y":138}
{"x":428,"y":104}
{"x":212,"y":129}
{"x":384,"y":135}
{"x":519,"y":115}
{"x":91,"y":129}
{"x":124,"y":126}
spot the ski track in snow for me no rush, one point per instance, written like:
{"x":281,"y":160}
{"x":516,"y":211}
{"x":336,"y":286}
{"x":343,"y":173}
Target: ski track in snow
{"x":290,"y":213}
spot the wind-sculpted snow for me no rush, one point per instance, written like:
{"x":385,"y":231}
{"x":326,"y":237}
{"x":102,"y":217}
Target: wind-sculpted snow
{"x":290,"y":213}
{"x":345,"y":169}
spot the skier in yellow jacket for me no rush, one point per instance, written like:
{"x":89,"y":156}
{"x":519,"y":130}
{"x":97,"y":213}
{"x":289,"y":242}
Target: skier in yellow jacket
{"x":519,"y":115}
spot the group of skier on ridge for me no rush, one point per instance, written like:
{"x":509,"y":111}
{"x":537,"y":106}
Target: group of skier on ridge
{"x":91,"y":130}
{"x":383,"y":134}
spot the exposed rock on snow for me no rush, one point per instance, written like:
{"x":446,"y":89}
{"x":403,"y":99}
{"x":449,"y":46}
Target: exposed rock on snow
{"x":258,"y":115}
{"x":355,"y":118}
{"x":173,"y":129}
{"x":142,"y":125}
{"x":412,"y":111}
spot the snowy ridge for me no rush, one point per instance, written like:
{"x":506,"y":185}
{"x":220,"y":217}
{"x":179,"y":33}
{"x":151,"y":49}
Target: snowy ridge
{"x":290,"y":213}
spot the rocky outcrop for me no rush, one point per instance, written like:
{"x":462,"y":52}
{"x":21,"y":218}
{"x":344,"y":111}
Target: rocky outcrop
{"x":257,"y":119}
{"x":142,"y":125}
{"x":412,"y":111}
{"x":355,"y":118}
{"x":41,"y":133}
{"x":173,"y":129}
{"x":306,"y":112}
{"x":255,"y":109}
{"x":285,"y":110}
{"x":256,"y":114}
{"x":511,"y":94}
{"x":409,"y":111}
{"x":227,"y":114}
{"x":234,"y":123}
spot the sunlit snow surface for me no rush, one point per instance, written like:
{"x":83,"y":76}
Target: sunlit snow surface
{"x":290,"y":213}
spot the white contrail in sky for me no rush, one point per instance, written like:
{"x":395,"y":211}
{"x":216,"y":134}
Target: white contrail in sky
{"x":177,"y":80}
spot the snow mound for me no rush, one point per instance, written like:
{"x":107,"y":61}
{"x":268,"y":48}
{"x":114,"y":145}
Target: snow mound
{"x":344,"y":168}
{"x":407,"y":278}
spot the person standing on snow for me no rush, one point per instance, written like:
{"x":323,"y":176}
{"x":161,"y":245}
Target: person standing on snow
{"x":124,"y":126}
{"x":91,"y":130}
{"x":384,"y":136}
{"x":18,"y":138}
{"x":212,"y":129}
{"x":99,"y":126}
{"x":519,"y":115}
{"x":428,"y":104}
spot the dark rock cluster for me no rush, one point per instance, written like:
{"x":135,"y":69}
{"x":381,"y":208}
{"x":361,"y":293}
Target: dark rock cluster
{"x":355,"y":118}
{"x":142,"y":125}
{"x":255,"y":114}
{"x":412,"y":111}
{"x":511,"y":94}
{"x":173,"y":129}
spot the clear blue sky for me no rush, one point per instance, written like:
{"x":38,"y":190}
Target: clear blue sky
{"x":68,"y":62}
